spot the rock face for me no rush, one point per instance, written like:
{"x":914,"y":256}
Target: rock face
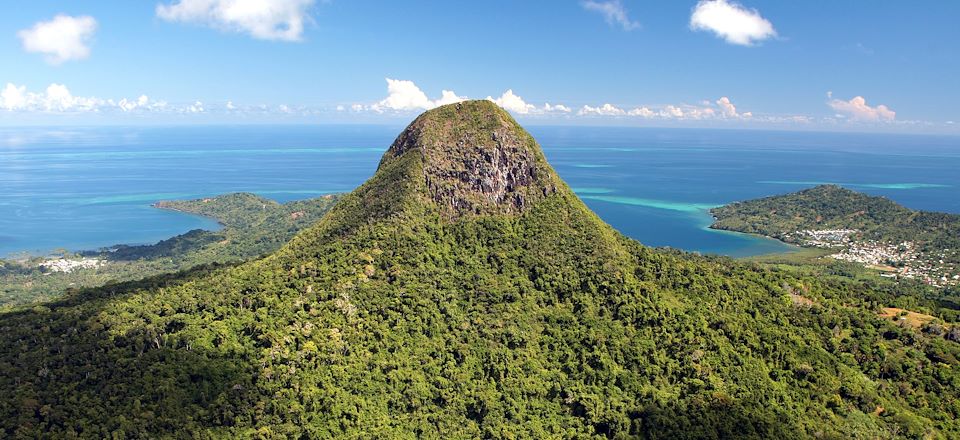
{"x":476,"y":159}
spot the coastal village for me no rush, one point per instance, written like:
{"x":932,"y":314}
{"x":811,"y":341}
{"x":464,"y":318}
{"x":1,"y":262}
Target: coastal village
{"x":893,"y":260}
{"x":67,"y":265}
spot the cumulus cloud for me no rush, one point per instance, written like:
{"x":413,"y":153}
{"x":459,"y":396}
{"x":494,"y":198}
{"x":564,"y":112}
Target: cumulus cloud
{"x":403,"y":95}
{"x":281,"y":20}
{"x":858,"y":110}
{"x":731,"y":21}
{"x":722,"y":108}
{"x":448,"y":97}
{"x":726,"y":107}
{"x":64,"y":38}
{"x":128,"y":105}
{"x":13,"y":97}
{"x":559,"y":108}
{"x":671,"y":111}
{"x":642,"y":112}
{"x":603,"y":110}
{"x":57,"y":98}
{"x":613,"y":12}
{"x":196,"y":107}
{"x":511,"y":102}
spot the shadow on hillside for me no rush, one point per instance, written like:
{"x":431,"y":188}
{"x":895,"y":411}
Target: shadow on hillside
{"x":62,"y":373}
{"x":179,"y":245}
{"x":716,"y":420}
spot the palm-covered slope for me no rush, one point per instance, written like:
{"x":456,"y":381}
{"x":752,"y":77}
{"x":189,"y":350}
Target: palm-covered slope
{"x":464,"y":291}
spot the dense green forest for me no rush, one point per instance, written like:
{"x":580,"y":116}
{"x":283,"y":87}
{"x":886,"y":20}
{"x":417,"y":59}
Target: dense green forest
{"x":465,"y":292}
{"x":252,"y":226}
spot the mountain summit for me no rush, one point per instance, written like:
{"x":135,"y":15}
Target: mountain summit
{"x":475,"y":159}
{"x":464,"y":291}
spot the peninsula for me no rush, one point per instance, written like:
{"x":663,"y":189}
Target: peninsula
{"x":873,"y":231}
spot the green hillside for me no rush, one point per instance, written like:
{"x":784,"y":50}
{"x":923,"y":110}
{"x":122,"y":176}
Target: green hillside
{"x":465,"y":292}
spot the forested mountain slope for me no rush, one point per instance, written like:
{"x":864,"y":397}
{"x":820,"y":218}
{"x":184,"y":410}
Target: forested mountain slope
{"x":465,"y":292}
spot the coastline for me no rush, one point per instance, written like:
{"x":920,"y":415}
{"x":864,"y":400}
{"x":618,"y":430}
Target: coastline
{"x":162,"y":206}
{"x":785,"y":248}
{"x":30,"y":254}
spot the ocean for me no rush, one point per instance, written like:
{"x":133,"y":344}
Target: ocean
{"x":87,"y":188}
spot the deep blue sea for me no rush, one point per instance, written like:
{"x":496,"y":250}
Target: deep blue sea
{"x":86,"y":188}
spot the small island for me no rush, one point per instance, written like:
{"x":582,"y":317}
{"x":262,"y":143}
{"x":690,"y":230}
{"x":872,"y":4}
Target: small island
{"x":875,"y":232}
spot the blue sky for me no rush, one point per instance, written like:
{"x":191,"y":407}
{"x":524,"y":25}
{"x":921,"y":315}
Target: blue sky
{"x":866,"y":66}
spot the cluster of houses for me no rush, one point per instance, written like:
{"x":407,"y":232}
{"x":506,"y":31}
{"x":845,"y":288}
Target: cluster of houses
{"x":66,"y":265}
{"x":893,"y":259}
{"x":822,"y":238}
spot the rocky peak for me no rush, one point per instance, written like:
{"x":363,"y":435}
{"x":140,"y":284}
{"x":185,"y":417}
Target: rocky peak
{"x":476,"y":159}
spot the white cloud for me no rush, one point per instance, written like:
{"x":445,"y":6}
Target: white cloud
{"x":858,"y":110}
{"x":511,"y":102}
{"x":13,"y":97}
{"x":612,"y":11}
{"x":264,"y":19}
{"x":727,"y":108}
{"x":61,"y":39}
{"x":671,"y":111}
{"x":603,"y":110}
{"x":57,"y":98}
{"x":722,"y":108}
{"x":559,"y":108}
{"x":642,"y":112}
{"x":128,"y":105}
{"x":448,"y":97}
{"x":731,"y":21}
{"x":196,"y":107}
{"x":403,"y":95}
